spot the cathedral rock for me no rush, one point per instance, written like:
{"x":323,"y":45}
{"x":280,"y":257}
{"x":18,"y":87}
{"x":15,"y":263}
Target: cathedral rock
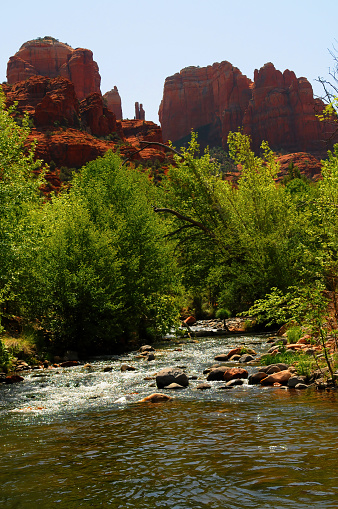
{"x":276,"y":107}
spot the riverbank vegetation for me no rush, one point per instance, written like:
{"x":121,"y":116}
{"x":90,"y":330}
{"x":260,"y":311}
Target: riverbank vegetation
{"x":116,"y":256}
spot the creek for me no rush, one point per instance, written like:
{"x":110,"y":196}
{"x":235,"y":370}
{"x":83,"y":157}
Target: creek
{"x":77,"y":437}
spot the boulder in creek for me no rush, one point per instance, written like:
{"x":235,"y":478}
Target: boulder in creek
{"x":190,"y":320}
{"x":207,"y":370}
{"x":157,"y":397}
{"x":235,"y":358}
{"x":272,"y":369}
{"x":68,"y":364}
{"x":22,"y":366}
{"x":294,"y":380}
{"x":13,"y":379}
{"x":150,"y":357}
{"x":107,"y":369}
{"x":147,"y":348}
{"x":217,"y":373}
{"x":251,"y":351}
{"x":225,"y":373}
{"x":233,"y":373}
{"x":168,"y":376}
{"x":126,"y":367}
{"x":280,"y":365}
{"x":221,"y":357}
{"x":281,"y":377}
{"x":203,"y":387}
{"x":234,"y":351}
{"x":273,"y":349}
{"x":256,"y":378}
{"x":246,"y":358}
{"x":301,"y":386}
{"x":174,"y":387}
{"x":234,"y":381}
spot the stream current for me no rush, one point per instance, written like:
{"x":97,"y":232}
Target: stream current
{"x":77,"y":437}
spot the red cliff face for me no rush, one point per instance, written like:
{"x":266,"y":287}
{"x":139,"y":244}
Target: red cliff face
{"x":48,"y":101}
{"x":70,"y":133}
{"x":51,"y":58}
{"x":96,"y":117}
{"x":113,"y":102}
{"x":282,"y":111}
{"x":214,"y":100}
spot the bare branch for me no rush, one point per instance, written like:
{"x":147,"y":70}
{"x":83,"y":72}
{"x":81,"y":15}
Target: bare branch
{"x":162,"y":145}
{"x":179,"y":230}
{"x":197,"y":224}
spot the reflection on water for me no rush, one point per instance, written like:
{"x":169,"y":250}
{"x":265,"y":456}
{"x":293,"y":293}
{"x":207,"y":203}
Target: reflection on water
{"x":243,"y":448}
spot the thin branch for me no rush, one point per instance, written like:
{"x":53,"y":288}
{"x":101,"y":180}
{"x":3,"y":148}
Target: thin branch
{"x":179,"y":230}
{"x":132,"y":155}
{"x":162,"y":145}
{"x":185,"y":218}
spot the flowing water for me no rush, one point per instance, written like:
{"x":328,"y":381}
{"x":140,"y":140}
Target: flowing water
{"x":77,"y":437}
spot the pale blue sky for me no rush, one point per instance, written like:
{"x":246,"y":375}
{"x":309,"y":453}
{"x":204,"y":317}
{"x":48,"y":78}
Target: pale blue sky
{"x":137,"y":44}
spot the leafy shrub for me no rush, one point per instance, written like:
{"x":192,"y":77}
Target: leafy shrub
{"x":223,"y":313}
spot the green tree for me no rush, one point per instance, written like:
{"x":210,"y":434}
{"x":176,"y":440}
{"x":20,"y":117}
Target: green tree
{"x":102,"y":274}
{"x":234,"y":242}
{"x":19,"y":192}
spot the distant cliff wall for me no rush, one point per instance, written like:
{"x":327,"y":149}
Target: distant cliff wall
{"x":276,"y":107}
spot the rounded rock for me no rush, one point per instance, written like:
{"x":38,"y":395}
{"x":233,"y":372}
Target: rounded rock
{"x":168,"y":376}
{"x":156,"y":397}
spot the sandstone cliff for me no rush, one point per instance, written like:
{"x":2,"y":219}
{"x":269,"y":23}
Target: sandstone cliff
{"x":279,"y":108}
{"x":204,"y":97}
{"x":113,"y":102}
{"x":282,"y":110}
{"x":48,"y":101}
{"x":49,"y":57}
{"x":70,"y":133}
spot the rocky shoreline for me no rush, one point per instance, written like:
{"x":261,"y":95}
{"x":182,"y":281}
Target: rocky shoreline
{"x":237,"y":365}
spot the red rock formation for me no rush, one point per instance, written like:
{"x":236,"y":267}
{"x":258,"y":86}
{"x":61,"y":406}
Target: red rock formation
{"x":47,"y":100}
{"x":56,"y":112}
{"x":51,"y":58}
{"x":282,"y":111}
{"x":307,"y":165}
{"x":69,"y":148}
{"x":136,"y":131}
{"x":96,"y":116}
{"x":214,"y":100}
{"x":81,"y":69}
{"x":113,"y":102}
{"x":140,"y":114}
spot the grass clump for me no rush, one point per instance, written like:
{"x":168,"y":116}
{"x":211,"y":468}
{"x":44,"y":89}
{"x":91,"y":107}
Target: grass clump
{"x":22,"y":347}
{"x":5,"y":357}
{"x":303,"y":363}
{"x":294,"y":334}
